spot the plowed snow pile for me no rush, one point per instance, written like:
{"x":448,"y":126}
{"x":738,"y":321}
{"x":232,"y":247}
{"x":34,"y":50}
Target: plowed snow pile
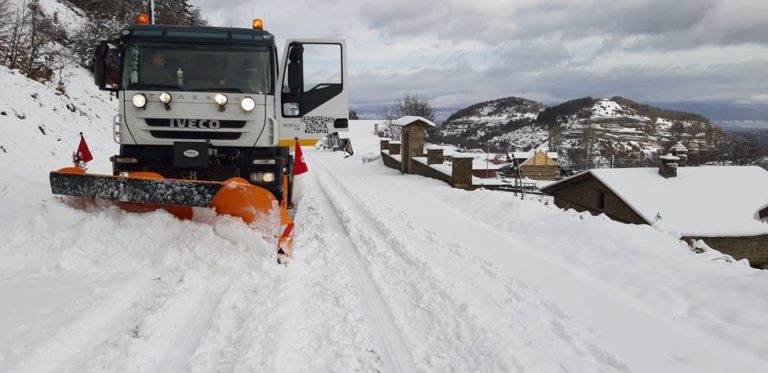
{"x":391,"y":273}
{"x":104,"y":290}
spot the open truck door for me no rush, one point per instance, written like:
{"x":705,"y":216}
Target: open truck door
{"x":314,"y":99}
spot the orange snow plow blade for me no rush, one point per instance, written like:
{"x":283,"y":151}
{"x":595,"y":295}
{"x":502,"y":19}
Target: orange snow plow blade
{"x":148,"y":191}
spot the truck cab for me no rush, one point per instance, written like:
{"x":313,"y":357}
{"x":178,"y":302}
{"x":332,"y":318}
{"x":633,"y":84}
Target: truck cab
{"x":212,"y":103}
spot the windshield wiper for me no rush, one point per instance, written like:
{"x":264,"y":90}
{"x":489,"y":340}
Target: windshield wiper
{"x":153,"y":86}
{"x":218,"y":89}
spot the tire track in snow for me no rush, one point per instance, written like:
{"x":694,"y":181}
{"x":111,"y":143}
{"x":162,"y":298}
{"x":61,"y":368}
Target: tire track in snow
{"x":156,"y":333}
{"x":532,"y":332}
{"x":74,"y":342}
{"x":439,"y":331}
{"x":392,"y":348}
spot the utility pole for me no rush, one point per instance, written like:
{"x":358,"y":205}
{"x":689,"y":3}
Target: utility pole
{"x":152,"y":12}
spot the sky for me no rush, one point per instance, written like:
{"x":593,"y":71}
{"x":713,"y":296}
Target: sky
{"x":459,"y":52}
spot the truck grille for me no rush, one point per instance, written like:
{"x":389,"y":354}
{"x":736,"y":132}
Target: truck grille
{"x":190,"y":135}
{"x":211,"y":134}
{"x":157,"y":122}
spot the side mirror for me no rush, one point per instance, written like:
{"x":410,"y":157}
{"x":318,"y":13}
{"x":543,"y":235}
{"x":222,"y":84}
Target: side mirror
{"x":296,"y":69}
{"x":104,"y":77}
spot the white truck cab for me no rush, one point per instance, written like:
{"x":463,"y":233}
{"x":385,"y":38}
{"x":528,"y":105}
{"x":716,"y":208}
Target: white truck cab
{"x":211,"y":103}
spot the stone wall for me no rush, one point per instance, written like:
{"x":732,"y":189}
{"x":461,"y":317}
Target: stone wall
{"x":435,"y":156}
{"x":394,"y":147}
{"x":424,"y":170}
{"x":754,"y":249}
{"x":462,"y":172}
{"x":389,"y":161}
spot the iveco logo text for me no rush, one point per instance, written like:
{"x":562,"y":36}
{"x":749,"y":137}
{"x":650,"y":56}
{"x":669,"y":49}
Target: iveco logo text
{"x":194,"y":123}
{"x":191,"y":153}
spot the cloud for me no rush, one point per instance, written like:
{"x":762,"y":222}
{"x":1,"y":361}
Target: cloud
{"x":457,"y":52}
{"x":689,"y":22}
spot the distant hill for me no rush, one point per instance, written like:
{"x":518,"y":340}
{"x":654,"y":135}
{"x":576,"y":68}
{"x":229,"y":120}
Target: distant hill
{"x":492,"y":122}
{"x":591,"y":132}
{"x":588,"y":132}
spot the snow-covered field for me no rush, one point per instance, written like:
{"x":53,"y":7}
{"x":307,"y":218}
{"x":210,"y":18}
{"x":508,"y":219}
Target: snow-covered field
{"x":391,"y":272}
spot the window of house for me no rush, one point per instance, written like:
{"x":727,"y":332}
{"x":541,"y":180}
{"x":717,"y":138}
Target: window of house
{"x":600,"y":200}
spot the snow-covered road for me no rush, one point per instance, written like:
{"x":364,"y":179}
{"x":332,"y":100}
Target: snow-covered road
{"x":391,"y":272}
{"x":480,"y":281}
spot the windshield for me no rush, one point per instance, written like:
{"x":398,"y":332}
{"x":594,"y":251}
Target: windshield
{"x":198,"y":68}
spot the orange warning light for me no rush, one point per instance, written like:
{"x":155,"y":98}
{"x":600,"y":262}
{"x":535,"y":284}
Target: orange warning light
{"x":258,"y":24}
{"x":142,"y":19}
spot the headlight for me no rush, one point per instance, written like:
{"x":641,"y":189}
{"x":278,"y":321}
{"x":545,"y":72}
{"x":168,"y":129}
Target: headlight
{"x":139,"y":100}
{"x":165,"y":98}
{"x":262,"y":177}
{"x":248,"y":104}
{"x":220,"y":99}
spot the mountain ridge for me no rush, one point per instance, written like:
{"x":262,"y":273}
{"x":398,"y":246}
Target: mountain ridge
{"x":587,"y":131}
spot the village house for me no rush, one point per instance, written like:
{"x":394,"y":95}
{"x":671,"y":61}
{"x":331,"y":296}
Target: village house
{"x":723,"y":206}
{"x":485,"y":168}
{"x":536,"y":164}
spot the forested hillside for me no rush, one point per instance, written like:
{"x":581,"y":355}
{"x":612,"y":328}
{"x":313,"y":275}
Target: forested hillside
{"x":41,"y":38}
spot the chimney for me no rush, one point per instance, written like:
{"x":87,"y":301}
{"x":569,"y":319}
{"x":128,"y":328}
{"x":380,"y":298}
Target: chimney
{"x":679,"y":150}
{"x":668,"y":166}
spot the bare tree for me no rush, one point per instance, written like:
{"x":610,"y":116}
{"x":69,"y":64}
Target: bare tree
{"x":555,"y":136}
{"x":409,"y":104}
{"x":14,"y":41}
{"x":38,"y":43}
{"x":5,"y":17}
{"x":61,"y":61}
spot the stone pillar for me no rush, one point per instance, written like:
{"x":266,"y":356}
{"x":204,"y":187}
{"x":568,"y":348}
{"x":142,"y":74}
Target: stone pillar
{"x":394,"y":147}
{"x":462,"y":171}
{"x":435,"y":156}
{"x":384,"y":144}
{"x":668,"y":166}
{"x":413,"y":144}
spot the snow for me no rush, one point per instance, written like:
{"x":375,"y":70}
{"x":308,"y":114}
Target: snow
{"x":483,"y":164}
{"x":390,"y":272}
{"x":408,"y":119}
{"x":69,"y":18}
{"x":538,"y":288}
{"x":463,"y":155}
{"x":718,"y":201}
{"x":527,"y":155}
{"x":669,"y":157}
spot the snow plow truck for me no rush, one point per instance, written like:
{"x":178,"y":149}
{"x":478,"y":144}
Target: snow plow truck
{"x":207,"y":118}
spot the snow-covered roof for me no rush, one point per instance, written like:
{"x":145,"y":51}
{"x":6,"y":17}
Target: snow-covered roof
{"x":408,"y":119}
{"x":462,"y":155}
{"x":531,"y":153}
{"x":482,"y":164}
{"x":700,"y":201}
{"x":679,"y":147}
{"x":438,"y":147}
{"x":669,"y":157}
